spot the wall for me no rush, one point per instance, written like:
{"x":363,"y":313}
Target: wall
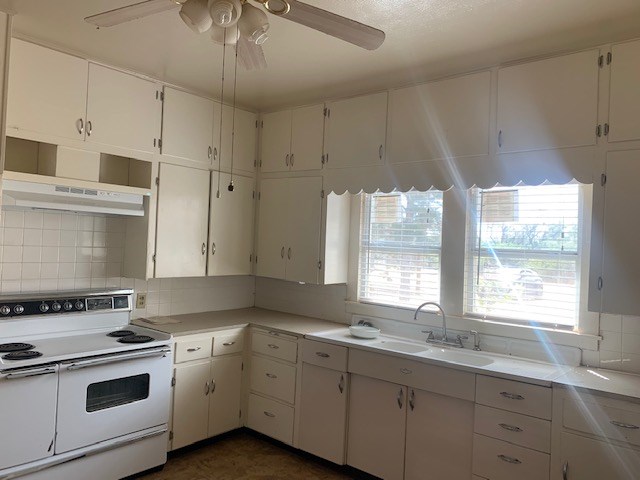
{"x":47,"y":251}
{"x":620,"y":345}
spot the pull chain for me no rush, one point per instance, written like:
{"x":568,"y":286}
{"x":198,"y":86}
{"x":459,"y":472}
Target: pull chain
{"x":224,"y":56}
{"x":233,"y":117}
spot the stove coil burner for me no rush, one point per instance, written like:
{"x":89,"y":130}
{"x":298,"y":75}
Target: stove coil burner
{"x":15,"y":347}
{"x":121,"y":333}
{"x":136,"y":339}
{"x":22,"y":355}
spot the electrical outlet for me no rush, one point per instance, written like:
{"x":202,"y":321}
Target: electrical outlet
{"x":141,"y":300}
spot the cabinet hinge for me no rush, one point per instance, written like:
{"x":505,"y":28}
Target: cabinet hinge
{"x":153,"y":258}
{"x":256,"y":258}
{"x":253,"y":195}
{"x":259,"y":195}
{"x":320,"y":265}
{"x":240,"y":413}
{"x":261,"y":124}
{"x":173,"y":381}
{"x":609,"y":58}
{"x":598,"y":130}
{"x":606,"y":129}
{"x":171,"y":435}
{"x":321,"y":193}
{"x":255,"y":163}
{"x":601,"y":61}
{"x":242,"y":367}
{"x":159,"y":143}
{"x":157,"y":181}
{"x":251,"y":258}
{"x":603,"y":179}
{"x":160,"y":95}
{"x":327,"y":112}
{"x":256,"y":123}
{"x":600,"y":283}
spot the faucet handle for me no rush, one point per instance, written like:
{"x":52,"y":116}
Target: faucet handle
{"x":476,"y":340}
{"x":429,"y":334}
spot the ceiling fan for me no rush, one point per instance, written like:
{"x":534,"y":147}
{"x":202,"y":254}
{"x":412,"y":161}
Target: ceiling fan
{"x":240,"y":23}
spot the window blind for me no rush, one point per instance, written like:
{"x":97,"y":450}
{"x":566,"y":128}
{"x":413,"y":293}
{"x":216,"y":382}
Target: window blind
{"x":523,"y":254}
{"x":400,"y":242}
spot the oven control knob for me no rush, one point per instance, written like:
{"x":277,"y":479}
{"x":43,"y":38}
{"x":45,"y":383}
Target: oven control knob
{"x":44,"y":307}
{"x":56,"y":307}
{"x":68,"y":306}
{"x":18,"y":309}
{"x":4,"y":310}
{"x":79,"y":305}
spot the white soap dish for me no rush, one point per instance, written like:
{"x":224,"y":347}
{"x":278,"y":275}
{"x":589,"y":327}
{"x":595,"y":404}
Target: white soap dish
{"x":361,"y":331}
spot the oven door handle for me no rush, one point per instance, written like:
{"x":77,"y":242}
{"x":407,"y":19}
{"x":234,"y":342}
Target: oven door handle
{"x":118,"y":358}
{"x":31,"y":372}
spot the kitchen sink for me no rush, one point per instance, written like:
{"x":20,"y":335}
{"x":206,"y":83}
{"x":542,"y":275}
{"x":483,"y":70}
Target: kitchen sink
{"x":461,"y":358}
{"x":404,"y":347}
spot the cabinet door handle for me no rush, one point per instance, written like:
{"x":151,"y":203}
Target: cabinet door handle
{"x":271,"y":375}
{"x":204,"y":248}
{"x":323,"y":355}
{"x":282,"y":253}
{"x":405,"y":371}
{"x":565,"y":471}
{"x":194,"y":349}
{"x":89,"y":128}
{"x":228,"y":344}
{"x":500,"y":139}
{"x":291,"y":159}
{"x":213,"y":385}
{"x":286,"y":160}
{"x":272,"y":346}
{"x":400,"y":399}
{"x":289,"y":253}
{"x":412,"y":400}
{"x":512,"y":396}
{"x":341,"y":383}
{"x":380,"y":152}
{"x":206,"y":389}
{"x":511,"y":460}
{"x":80,"y":126}
{"x":269,"y":414}
{"x":511,"y":428}
{"x":213,"y":248}
{"x":624,"y":425}
{"x":215,"y":153}
{"x":209,"y":152}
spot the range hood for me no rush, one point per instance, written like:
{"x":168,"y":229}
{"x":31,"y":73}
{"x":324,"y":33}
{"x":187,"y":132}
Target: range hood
{"x":23,"y":190}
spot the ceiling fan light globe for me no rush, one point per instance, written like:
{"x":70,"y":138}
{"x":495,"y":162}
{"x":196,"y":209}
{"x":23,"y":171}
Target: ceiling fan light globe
{"x":195,"y":15}
{"x":225,"y":13}
{"x":253,"y":24}
{"x":259,"y":37}
{"x":221,"y":35}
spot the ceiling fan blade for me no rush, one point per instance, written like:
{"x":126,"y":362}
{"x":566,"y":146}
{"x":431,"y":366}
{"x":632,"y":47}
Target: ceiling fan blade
{"x":250,"y":55}
{"x":131,"y":12}
{"x":335,"y":25}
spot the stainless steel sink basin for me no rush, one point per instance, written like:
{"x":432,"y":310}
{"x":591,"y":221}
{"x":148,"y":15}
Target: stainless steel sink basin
{"x":459,"y":357}
{"x":404,"y":347}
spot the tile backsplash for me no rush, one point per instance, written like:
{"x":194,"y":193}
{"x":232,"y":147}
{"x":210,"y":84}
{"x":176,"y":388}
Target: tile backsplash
{"x":48,"y":251}
{"x":620,"y":344}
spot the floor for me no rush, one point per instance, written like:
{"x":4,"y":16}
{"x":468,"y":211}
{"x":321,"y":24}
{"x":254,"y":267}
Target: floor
{"x":243,"y":455}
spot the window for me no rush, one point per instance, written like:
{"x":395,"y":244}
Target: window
{"x":400,"y":243}
{"x":523,"y":254}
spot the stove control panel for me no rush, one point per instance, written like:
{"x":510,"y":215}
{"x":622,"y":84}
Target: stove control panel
{"x":23,"y":307}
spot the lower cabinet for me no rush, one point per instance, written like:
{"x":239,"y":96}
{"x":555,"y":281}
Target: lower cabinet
{"x":190,"y":403}
{"x":225,"y":394}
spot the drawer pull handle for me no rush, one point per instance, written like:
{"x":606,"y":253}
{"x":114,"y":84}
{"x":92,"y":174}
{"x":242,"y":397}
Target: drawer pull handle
{"x":624,"y":425}
{"x":405,"y":371}
{"x":194,"y":349}
{"x":511,"y":460}
{"x":511,"y":428}
{"x":341,"y":384}
{"x":412,"y":400}
{"x":269,"y":414}
{"x":323,"y":355}
{"x":228,"y":344}
{"x":271,"y":375}
{"x":275,"y":347}
{"x":512,"y":396}
{"x":565,"y":471}
{"x":276,"y":334}
{"x":400,"y":399}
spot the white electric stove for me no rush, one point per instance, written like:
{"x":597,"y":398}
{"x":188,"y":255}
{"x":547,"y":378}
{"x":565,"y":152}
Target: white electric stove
{"x":81,"y":388}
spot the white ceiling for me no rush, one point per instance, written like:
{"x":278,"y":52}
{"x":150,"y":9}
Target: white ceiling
{"x":425,"y":39}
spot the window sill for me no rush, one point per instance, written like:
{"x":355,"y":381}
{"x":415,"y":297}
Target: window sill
{"x":487,"y":327}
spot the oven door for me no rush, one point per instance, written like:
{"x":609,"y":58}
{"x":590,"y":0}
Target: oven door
{"x":113,"y":395}
{"x":27,"y":414}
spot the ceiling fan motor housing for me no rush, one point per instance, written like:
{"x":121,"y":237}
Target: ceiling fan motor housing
{"x":225,"y":13}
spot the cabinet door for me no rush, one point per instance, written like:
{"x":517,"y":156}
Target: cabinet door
{"x":442,"y":119}
{"x":550,"y":103}
{"x":183,"y":214}
{"x":586,"y":459}
{"x":323,"y":413}
{"x":624,"y":106}
{"x":621,"y":263}
{"x":307,"y":134}
{"x":241,"y":129}
{"x":230,"y":226}
{"x":226,"y":389}
{"x":47,"y":91}
{"x":276,"y":141}
{"x":122,"y":110}
{"x":304,"y":209}
{"x":377,"y":421}
{"x":447,"y":453}
{"x":187,"y":126}
{"x":272,"y":227}
{"x":356,"y":131}
{"x":190,"y":403}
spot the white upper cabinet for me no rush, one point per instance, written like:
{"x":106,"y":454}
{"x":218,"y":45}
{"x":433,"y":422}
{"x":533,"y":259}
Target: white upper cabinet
{"x":276,"y":141}
{"x":272,"y":227}
{"x":240,"y":127}
{"x":183,"y":214}
{"x":624,"y":106}
{"x":549,"y":103}
{"x":122,"y":110}
{"x":448,"y":118}
{"x":187,"y":126}
{"x":356,"y":131}
{"x":47,"y":92}
{"x":231,"y":226}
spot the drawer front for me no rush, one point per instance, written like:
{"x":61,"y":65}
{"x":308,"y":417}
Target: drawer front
{"x":274,"y":346}
{"x":602,"y":420}
{"x":271,"y":418}
{"x":193,"y":349}
{"x":498,"y":460}
{"x":273,"y":379}
{"x":442,"y":380}
{"x":228,"y":342}
{"x":518,"y":397}
{"x":325,"y":355}
{"x":512,"y":427}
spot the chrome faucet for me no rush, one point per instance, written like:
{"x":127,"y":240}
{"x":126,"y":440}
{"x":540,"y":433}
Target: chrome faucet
{"x":444,"y":318}
{"x":444,"y":340}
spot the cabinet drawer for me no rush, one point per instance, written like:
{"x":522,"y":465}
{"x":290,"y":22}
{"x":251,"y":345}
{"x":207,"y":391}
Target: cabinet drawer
{"x":500,"y":460}
{"x":274,"y":346}
{"x":193,"y":349}
{"x":273,"y":379}
{"x":615,"y":423}
{"x":228,"y":342}
{"x":518,"y":397}
{"x":442,"y":380}
{"x":325,"y":355}
{"x":512,"y":427}
{"x":271,"y":418}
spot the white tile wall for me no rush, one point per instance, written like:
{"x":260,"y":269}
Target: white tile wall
{"x":620,"y":344}
{"x":47,"y":251}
